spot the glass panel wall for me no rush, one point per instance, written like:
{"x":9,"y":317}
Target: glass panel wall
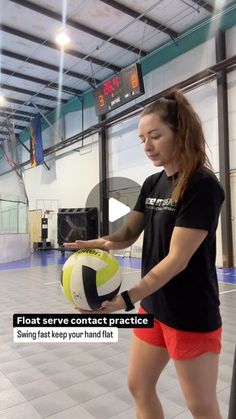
{"x":13,"y":215}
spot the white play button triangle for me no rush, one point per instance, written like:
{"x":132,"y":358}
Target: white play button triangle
{"x":117,"y":209}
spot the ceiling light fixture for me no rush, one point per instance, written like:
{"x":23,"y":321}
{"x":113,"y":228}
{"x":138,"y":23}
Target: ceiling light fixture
{"x":2,"y":99}
{"x":62,"y":38}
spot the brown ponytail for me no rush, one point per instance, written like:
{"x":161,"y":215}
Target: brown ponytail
{"x":176,"y":111}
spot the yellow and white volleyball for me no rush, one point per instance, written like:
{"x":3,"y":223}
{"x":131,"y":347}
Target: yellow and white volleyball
{"x":89,"y":277}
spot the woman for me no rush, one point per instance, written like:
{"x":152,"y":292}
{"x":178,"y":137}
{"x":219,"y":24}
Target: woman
{"x":178,"y":209}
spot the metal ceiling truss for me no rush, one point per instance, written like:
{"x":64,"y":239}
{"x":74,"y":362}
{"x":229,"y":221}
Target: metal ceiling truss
{"x":204,"y":5}
{"x":27,"y":103}
{"x":52,"y":67}
{"x":4,"y":133}
{"x":20,"y":127}
{"x":53,"y":45}
{"x":150,"y":22}
{"x":192,"y":82}
{"x":10,"y":111}
{"x":14,"y":117}
{"x":79,"y":26}
{"x":25,"y":116}
{"x":46,"y":83}
{"x":31,"y":93}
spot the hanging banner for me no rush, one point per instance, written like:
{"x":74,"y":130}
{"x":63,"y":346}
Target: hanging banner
{"x":36,"y":143}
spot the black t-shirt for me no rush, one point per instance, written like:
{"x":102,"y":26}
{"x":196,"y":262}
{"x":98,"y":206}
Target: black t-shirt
{"x":190,"y":300}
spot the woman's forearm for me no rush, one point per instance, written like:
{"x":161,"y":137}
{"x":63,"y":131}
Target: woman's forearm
{"x":114,"y":245}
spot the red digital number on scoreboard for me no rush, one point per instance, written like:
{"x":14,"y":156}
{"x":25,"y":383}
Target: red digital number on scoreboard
{"x":111,"y":86}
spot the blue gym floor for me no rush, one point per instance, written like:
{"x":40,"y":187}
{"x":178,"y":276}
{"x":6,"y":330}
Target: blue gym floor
{"x":54,"y":257}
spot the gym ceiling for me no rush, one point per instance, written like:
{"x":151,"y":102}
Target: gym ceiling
{"x":105,"y":37}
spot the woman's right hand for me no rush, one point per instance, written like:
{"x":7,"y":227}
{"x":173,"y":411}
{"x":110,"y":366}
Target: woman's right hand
{"x":99,"y":243}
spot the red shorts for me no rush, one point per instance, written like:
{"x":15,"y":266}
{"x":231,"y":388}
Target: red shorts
{"x":180,"y":344}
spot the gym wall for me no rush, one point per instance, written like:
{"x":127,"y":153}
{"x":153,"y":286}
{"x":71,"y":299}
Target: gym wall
{"x":73,"y":175}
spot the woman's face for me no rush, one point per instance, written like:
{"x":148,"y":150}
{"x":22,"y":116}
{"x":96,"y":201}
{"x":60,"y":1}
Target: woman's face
{"x":158,"y":140}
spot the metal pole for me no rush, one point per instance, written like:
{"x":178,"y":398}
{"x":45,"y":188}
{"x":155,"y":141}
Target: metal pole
{"x":223,"y":128}
{"x":103,"y":184}
{"x":232,"y":399}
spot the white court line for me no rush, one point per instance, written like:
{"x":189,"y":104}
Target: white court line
{"x":225,"y":292}
{"x":130,"y":272}
{"x":52,"y":282}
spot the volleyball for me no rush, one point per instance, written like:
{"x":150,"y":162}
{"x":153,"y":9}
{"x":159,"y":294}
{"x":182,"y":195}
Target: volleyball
{"x":89,"y":277}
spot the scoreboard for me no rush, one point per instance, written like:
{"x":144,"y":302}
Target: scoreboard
{"x":119,"y":89}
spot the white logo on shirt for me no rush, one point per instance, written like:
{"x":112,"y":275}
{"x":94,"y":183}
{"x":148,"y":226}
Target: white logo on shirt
{"x":161,"y":204}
